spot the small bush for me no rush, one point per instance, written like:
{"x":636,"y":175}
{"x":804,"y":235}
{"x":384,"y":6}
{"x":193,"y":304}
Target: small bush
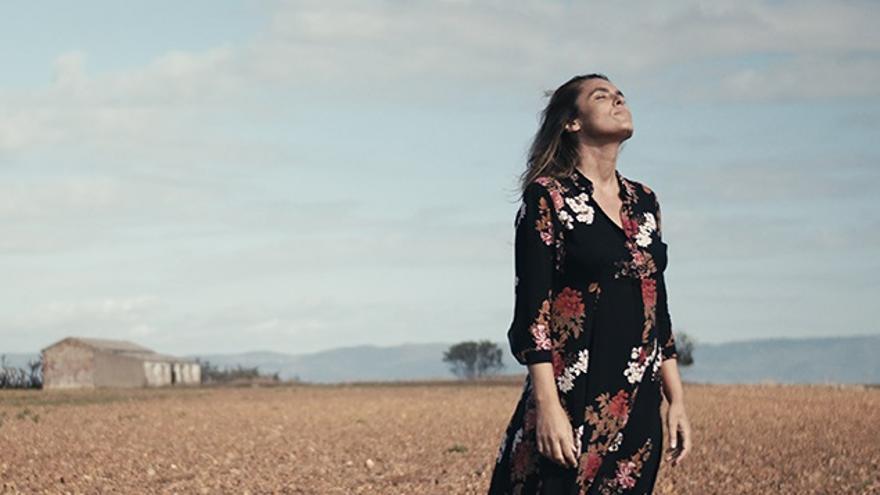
{"x":32,"y":377}
{"x":214,"y":374}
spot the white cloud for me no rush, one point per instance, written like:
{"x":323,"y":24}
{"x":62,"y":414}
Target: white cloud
{"x":806,"y":76}
{"x":156,"y":112}
{"x":132,"y":109}
{"x":57,"y":198}
{"x":818,"y":49}
{"x":70,"y":72}
{"x":99,"y":317}
{"x":527,"y":42}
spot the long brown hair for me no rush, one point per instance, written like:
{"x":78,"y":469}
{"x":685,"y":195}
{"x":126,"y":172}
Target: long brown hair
{"x":553,"y":151}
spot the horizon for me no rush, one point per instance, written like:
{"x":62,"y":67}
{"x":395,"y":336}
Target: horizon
{"x":503,"y":343}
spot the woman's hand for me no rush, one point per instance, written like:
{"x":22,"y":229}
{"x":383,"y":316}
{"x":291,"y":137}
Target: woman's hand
{"x":679,"y":431}
{"x":555,"y":435}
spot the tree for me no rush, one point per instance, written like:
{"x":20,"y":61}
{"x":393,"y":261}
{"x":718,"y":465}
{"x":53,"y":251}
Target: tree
{"x":684,"y":345}
{"x":212,"y":373}
{"x":473,"y":359}
{"x":30,"y":377}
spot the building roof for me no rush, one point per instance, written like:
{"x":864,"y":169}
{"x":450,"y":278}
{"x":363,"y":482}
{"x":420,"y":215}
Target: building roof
{"x":122,"y":347}
{"x":111,"y":345}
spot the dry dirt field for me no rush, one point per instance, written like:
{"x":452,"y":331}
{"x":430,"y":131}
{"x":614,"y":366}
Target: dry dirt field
{"x":423,"y":438}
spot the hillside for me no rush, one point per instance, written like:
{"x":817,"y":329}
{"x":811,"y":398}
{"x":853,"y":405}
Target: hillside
{"x":849,"y":359}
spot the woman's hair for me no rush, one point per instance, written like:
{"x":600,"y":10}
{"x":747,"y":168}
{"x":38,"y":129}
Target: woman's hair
{"x":554,"y":151}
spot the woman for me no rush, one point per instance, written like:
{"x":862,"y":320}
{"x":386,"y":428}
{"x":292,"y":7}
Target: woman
{"x":590,"y":319}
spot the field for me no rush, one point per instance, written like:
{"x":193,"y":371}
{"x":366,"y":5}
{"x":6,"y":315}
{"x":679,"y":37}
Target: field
{"x":419,"y":438}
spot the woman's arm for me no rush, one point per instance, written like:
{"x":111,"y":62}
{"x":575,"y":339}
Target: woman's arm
{"x":672,"y":389}
{"x":678,"y":427}
{"x":554,"y":432}
{"x":529,"y":335}
{"x":534,"y":264}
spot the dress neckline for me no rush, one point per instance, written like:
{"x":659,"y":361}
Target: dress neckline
{"x":584,"y":183}
{"x":613,"y":224}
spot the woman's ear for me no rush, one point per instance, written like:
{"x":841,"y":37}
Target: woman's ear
{"x":573,"y":125}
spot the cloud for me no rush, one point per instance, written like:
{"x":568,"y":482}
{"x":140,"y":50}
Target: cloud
{"x":748,"y":51}
{"x":806,"y":76}
{"x":130,"y":110}
{"x":522,"y":43}
{"x":64,"y":213}
{"x":803,"y":50}
{"x":70,"y":70}
{"x":53,"y":198}
{"x":108,"y":317}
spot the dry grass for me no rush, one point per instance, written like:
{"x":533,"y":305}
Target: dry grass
{"x":407,"y":438}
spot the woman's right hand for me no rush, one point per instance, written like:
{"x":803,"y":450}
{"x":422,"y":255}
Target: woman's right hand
{"x":555,"y":435}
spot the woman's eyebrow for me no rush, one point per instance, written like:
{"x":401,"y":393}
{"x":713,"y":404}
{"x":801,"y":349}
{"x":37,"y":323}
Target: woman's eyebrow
{"x":619,"y":92}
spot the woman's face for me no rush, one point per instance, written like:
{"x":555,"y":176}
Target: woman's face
{"x":603,"y":114}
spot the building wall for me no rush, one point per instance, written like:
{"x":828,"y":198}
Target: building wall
{"x":158,"y":373}
{"x":190,"y":373}
{"x":68,"y":365}
{"x":185,"y":373}
{"x":113,"y":370}
{"x":195,"y":373}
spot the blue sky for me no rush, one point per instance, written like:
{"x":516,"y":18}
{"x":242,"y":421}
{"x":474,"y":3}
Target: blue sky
{"x":297,"y":176}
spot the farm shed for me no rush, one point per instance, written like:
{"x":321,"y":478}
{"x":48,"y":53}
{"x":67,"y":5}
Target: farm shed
{"x":77,"y":362}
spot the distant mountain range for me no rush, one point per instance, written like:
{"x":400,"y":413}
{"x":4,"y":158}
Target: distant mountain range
{"x":850,"y":359}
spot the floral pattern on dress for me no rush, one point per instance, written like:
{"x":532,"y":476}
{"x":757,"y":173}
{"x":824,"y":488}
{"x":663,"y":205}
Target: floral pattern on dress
{"x":637,"y":365}
{"x":578,"y":438}
{"x":540,"y":329}
{"x":616,"y":443}
{"x":646,"y":228}
{"x":557,"y":300}
{"x":606,"y":418}
{"x":580,"y":206}
{"x":544,"y":224}
{"x":657,"y":359}
{"x":556,"y":191}
{"x":641,"y":263}
{"x":568,"y":314}
{"x":609,"y":414}
{"x":565,"y":380}
{"x":627,"y":473}
{"x":566,"y":219}
{"x":524,"y":453}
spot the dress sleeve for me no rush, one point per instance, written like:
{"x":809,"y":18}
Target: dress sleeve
{"x":664,"y":322}
{"x":534,"y":261}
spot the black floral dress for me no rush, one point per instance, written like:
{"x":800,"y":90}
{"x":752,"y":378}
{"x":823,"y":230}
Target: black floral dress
{"x":591,"y":300}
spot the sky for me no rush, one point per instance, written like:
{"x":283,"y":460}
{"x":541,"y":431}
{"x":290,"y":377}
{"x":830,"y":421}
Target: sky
{"x":219,"y":177}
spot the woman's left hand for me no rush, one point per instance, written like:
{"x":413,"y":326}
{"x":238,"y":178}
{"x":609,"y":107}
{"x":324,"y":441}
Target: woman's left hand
{"x":679,"y":431}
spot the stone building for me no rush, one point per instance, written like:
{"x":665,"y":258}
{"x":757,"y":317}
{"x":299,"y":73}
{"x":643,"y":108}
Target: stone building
{"x":77,"y":362}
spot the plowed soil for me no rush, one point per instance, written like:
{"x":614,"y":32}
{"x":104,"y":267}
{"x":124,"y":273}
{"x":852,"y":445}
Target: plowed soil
{"x":417,"y":438}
